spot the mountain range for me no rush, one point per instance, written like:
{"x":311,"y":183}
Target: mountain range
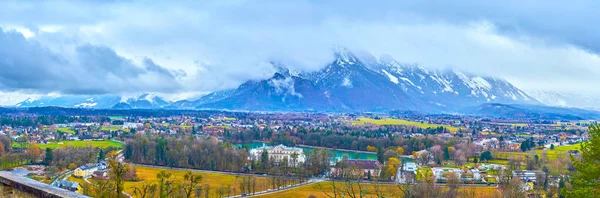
{"x":143,"y":101}
{"x":349,"y":83}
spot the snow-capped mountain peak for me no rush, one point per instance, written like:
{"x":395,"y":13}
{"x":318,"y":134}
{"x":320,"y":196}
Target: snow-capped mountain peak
{"x":347,"y":83}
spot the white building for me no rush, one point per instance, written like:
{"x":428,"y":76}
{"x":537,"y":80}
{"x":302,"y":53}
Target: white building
{"x":410,"y":167}
{"x":441,"y":173}
{"x":476,"y":174}
{"x":280,"y":153}
{"x":527,"y":175}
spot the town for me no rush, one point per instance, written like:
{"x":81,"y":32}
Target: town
{"x":276,"y":154}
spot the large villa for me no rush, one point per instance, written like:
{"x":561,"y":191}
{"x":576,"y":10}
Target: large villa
{"x":280,"y":153}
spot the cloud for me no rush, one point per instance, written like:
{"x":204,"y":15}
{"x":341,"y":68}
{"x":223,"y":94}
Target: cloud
{"x":203,"y":46}
{"x":28,"y":66}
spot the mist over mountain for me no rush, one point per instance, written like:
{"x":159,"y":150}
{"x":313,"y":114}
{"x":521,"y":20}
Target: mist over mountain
{"x":350,"y":83}
{"x":356,"y":83}
{"x":566,"y":99}
{"x":143,"y":101}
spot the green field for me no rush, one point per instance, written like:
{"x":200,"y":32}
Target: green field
{"x":423,"y":173}
{"x":97,"y":144}
{"x":390,"y":121}
{"x":111,"y":128}
{"x":224,"y":127}
{"x":568,"y":147}
{"x":66,"y":130}
{"x":552,"y":154}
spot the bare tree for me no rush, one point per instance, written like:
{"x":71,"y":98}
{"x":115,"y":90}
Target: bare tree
{"x":424,"y":158}
{"x":117,"y":175}
{"x":147,"y":189}
{"x":426,"y":189}
{"x":165,"y":184}
{"x":406,"y":185}
{"x":513,"y":189}
{"x":453,"y":183}
{"x":191,"y":181}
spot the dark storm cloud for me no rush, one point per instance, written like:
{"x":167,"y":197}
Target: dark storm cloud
{"x":549,"y":45}
{"x":27,"y":65}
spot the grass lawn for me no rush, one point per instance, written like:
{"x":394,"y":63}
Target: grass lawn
{"x":424,"y":172}
{"x":567,"y":147}
{"x":111,"y":128}
{"x":389,"y":121}
{"x":215,"y":180}
{"x":79,"y":143}
{"x":388,"y":191}
{"x":66,"y":130}
{"x":497,"y":161}
{"x":226,"y":119}
{"x":224,"y":127}
{"x":552,"y":154}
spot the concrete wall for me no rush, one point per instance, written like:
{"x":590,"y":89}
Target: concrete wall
{"x":36,"y":188}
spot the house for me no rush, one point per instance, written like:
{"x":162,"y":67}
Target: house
{"x":407,"y":174}
{"x":476,"y":174}
{"x":280,"y":153}
{"x":85,"y":170}
{"x":527,"y":175}
{"x":410,"y":167}
{"x":442,"y":173}
{"x":361,"y":168}
{"x":100,"y":175}
{"x":72,"y":186}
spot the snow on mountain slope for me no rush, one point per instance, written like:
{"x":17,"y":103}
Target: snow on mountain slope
{"x":367,"y":84}
{"x":450,"y":87}
{"x":347,"y":83}
{"x":143,"y":101}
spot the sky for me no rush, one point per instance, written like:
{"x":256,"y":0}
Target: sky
{"x":184,"y":49}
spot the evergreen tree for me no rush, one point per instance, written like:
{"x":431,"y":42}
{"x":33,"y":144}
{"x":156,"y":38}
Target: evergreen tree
{"x":487,"y":156}
{"x":264,"y":158}
{"x":49,"y":157}
{"x":380,"y":156}
{"x":446,"y":153}
{"x":101,"y":155}
{"x":586,"y":181}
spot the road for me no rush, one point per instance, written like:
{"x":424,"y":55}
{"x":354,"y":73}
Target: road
{"x":290,"y":187}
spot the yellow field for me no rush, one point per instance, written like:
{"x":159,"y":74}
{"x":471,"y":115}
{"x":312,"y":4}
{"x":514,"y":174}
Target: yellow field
{"x":568,"y":147}
{"x":552,"y":154}
{"x":388,"y":191}
{"x":389,"y":121}
{"x":215,"y":180}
